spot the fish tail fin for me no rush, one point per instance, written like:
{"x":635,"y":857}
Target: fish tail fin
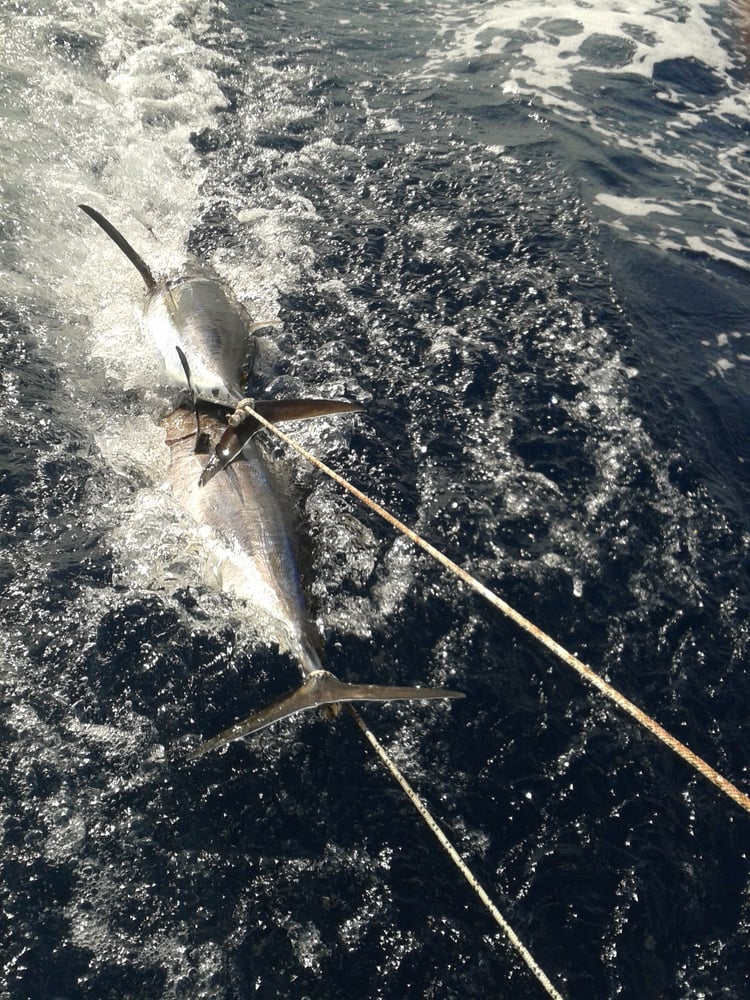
{"x":116,"y":236}
{"x":318,"y":689}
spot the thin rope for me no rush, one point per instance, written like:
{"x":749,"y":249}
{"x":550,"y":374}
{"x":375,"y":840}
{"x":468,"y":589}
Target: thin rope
{"x":627,"y":706}
{"x":392,"y":768}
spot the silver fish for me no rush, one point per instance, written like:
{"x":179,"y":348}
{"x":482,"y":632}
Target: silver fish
{"x":193,"y":316}
{"x":255,"y":560}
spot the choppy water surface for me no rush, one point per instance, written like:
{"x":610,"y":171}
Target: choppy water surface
{"x":519,"y":236}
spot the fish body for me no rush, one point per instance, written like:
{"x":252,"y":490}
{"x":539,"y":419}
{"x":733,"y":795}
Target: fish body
{"x":254,"y":558}
{"x":249,"y":532}
{"x":204,"y":340}
{"x":193,"y":318}
{"x":196,"y":314}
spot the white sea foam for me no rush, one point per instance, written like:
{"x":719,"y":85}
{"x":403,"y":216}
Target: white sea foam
{"x":558,"y":58}
{"x":541,"y":49}
{"x":635,"y":206}
{"x":101,"y":104}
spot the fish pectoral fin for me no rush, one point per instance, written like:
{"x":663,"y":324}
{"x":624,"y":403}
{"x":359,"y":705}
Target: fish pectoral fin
{"x":277,"y":410}
{"x":234,"y":437}
{"x":235,"y":484}
{"x":320,"y":688}
{"x":201,"y":439}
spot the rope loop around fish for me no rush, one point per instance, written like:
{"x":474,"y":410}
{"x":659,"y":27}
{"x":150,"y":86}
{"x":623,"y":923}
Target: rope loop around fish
{"x":584,"y":672}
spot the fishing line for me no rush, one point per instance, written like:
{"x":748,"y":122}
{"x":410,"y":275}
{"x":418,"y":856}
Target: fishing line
{"x":583,"y":671}
{"x":245,"y":407}
{"x":392,"y":768}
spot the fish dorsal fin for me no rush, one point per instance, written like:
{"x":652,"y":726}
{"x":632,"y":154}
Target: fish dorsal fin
{"x":135,"y":258}
{"x":234,"y":437}
{"x":319,"y":688}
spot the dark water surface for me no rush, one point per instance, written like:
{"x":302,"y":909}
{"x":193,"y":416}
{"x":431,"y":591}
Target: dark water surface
{"x":519,"y":236}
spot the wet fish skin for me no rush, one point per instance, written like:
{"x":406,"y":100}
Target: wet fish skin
{"x":251,"y":535}
{"x":195,"y":313}
{"x":254,"y":545}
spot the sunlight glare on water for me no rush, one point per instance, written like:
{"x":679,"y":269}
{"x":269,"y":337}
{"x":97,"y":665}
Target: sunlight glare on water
{"x":518,"y":237}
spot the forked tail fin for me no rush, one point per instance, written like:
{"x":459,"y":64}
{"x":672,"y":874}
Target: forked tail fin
{"x":116,"y":236}
{"x":319,"y":688}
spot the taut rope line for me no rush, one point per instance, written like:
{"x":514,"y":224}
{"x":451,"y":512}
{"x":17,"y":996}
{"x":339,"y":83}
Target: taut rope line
{"x":683,"y":751}
{"x":453,"y":854}
{"x":245,"y":407}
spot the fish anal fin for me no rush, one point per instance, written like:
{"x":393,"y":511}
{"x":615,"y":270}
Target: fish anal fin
{"x":318,"y":689}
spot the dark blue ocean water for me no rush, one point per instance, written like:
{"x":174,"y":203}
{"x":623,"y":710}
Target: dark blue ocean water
{"x":519,"y":235}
